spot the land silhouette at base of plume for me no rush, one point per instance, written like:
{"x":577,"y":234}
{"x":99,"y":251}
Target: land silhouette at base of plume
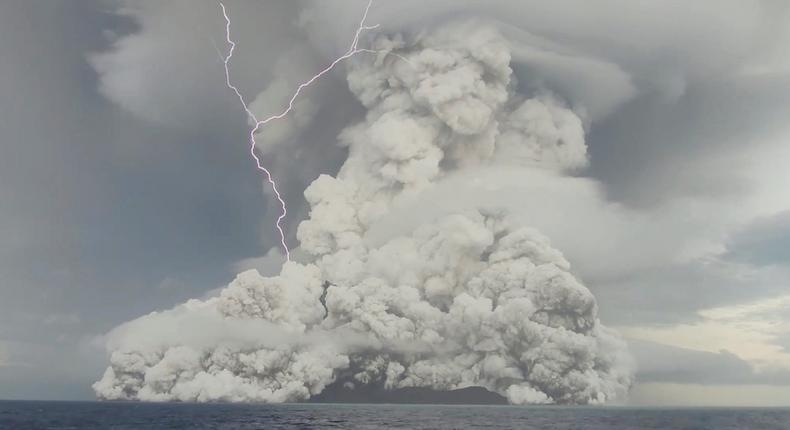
{"x":337,"y":393}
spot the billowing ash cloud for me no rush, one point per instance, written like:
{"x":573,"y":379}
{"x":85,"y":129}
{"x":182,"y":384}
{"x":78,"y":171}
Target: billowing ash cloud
{"x":465,"y":299}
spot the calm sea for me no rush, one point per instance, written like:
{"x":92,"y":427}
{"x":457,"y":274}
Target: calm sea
{"x":18,"y":415}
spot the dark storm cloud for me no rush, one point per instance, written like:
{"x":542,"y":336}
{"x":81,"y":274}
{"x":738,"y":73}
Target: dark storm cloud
{"x":765,"y":241}
{"x":99,"y":207}
{"x":656,"y":149}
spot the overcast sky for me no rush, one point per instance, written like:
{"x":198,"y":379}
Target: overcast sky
{"x":126,"y":186}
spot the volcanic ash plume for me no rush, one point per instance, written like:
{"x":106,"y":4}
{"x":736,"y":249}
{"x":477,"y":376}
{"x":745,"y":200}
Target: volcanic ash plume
{"x":465,"y":299}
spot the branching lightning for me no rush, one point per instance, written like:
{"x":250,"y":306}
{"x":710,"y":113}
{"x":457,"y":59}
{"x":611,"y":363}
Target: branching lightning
{"x":258,"y":123}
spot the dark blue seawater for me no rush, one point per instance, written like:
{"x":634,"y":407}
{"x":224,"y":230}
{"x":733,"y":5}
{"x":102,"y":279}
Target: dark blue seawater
{"x":17,"y":415}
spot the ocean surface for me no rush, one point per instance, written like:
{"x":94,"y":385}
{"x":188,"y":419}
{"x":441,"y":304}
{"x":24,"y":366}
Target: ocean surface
{"x":23,"y":415}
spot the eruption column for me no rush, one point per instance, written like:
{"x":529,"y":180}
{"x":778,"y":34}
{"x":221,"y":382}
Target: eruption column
{"x":352,"y":50}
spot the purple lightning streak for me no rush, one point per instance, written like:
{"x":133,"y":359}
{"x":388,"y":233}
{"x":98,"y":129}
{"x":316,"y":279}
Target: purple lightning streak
{"x":352,"y":50}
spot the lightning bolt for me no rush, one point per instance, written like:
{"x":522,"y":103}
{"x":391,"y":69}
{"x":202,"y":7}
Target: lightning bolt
{"x":353,"y":49}
{"x":258,"y":123}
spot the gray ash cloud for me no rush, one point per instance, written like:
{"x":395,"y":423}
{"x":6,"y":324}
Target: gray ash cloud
{"x":467,"y":298}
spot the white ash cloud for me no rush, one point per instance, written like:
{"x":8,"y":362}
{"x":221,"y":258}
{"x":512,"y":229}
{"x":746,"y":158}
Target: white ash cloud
{"x":469,"y":298}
